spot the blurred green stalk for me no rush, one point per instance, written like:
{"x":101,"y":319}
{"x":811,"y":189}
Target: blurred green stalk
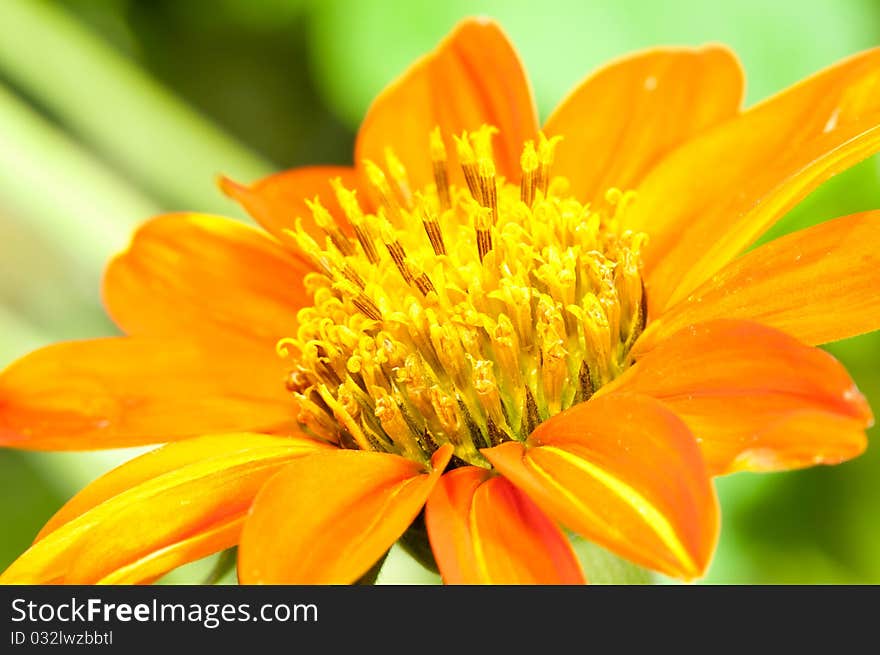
{"x":156,"y":139}
{"x":51,"y":186}
{"x":18,"y":336}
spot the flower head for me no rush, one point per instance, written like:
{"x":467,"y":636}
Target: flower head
{"x":461,"y":315}
{"x":489,"y":328}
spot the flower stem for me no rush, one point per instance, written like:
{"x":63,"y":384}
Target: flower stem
{"x":415,"y":542}
{"x":224,"y":564}
{"x":370,"y":577}
{"x":153,"y":137}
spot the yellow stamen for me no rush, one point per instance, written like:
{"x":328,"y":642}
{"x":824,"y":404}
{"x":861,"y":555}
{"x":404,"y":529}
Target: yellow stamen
{"x":390,"y":414}
{"x":546,"y":151}
{"x":379,"y":182}
{"x":530,"y":165}
{"x":483,"y":228}
{"x":420,"y":279}
{"x":482,"y":141}
{"x":395,"y":249}
{"x":507,"y":305}
{"x":488,"y":190}
{"x":441,"y":174}
{"x":432,"y":229}
{"x":398,"y":173}
{"x":352,"y":209}
{"x":326,"y":222}
{"x":467,"y":159}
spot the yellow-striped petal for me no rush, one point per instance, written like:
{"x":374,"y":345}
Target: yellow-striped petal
{"x":168,"y":507}
{"x":625,"y":472}
{"x":483,"y":530}
{"x":818,"y":285}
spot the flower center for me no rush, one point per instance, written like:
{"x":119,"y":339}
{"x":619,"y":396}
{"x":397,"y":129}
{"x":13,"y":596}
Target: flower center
{"x":463,"y":315}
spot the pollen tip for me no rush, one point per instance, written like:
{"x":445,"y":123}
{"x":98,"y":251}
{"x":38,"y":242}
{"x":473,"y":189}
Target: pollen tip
{"x":373,"y":171}
{"x":337,"y":185}
{"x":528,"y":161}
{"x":395,"y":166}
{"x":464,"y":149}
{"x":482,"y":140}
{"x":319,"y":213}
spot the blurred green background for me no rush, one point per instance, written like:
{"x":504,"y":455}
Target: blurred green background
{"x":113,"y":110}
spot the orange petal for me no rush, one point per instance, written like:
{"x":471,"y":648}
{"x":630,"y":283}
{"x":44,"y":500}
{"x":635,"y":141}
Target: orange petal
{"x":328,"y":518}
{"x":710,"y":199}
{"x":754,"y":397}
{"x":626,"y":473}
{"x":483,"y":530}
{"x":275,"y":202}
{"x":152,"y":566}
{"x":818,"y":284}
{"x":623,"y":118}
{"x":473,"y":77}
{"x":129,"y":391}
{"x":171,"y":506}
{"x":205,"y":276}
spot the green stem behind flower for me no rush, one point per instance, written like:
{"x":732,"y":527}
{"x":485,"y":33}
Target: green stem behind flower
{"x":54,"y":188}
{"x":160,"y":142}
{"x":415,"y":542}
{"x":370,"y":577}
{"x":226,"y":561}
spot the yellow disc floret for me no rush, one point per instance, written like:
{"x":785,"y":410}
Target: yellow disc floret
{"x":463,"y":315}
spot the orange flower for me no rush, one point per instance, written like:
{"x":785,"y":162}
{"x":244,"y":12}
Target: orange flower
{"x":487,"y":329}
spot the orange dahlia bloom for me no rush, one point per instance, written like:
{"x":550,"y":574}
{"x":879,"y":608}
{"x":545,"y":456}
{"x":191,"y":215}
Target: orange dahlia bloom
{"x":481,"y":330}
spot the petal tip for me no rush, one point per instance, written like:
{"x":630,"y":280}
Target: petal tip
{"x":857,"y":401}
{"x":440,"y":458}
{"x":230,"y":187}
